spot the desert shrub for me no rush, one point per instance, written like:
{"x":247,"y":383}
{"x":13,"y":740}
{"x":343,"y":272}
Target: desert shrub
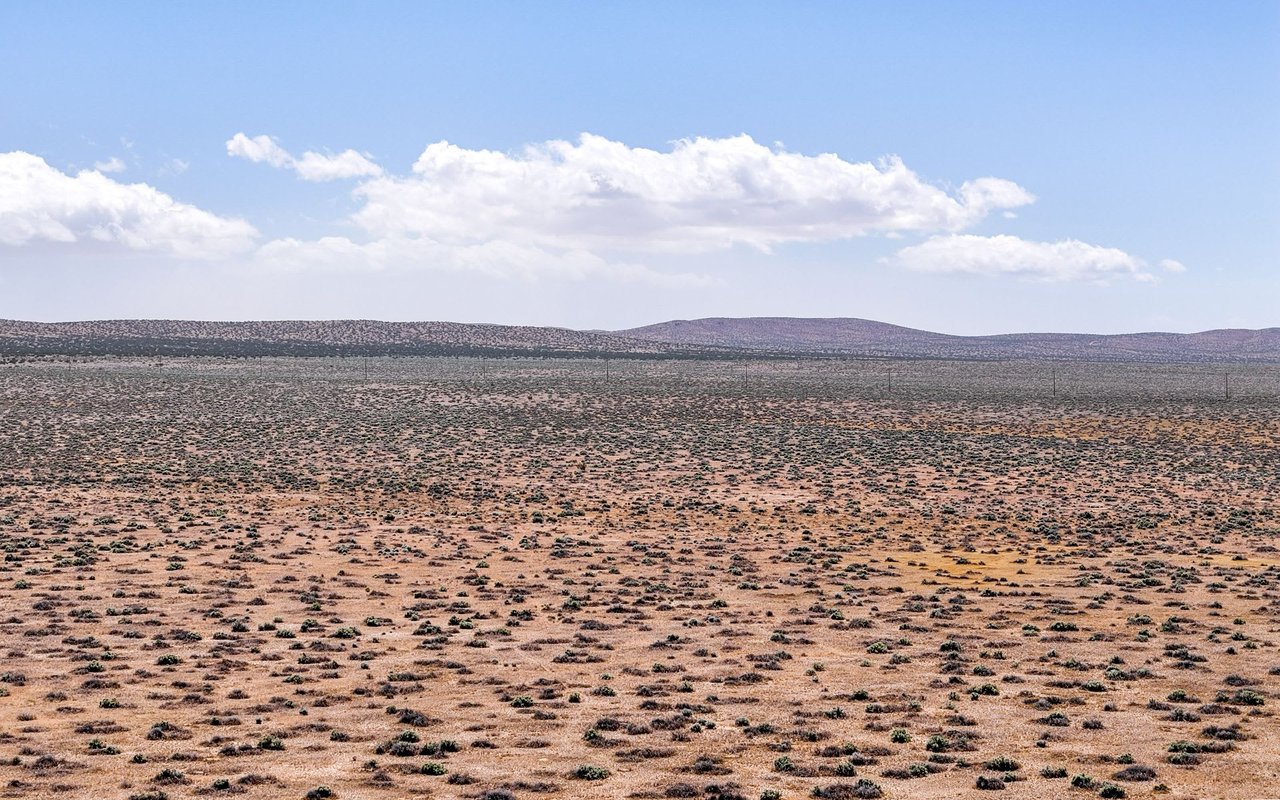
{"x":415,"y":718}
{"x":862,"y":790}
{"x":1135,"y":773}
{"x":170,"y":776}
{"x":847,"y":768}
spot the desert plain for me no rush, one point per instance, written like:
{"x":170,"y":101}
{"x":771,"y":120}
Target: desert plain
{"x":539,"y":578}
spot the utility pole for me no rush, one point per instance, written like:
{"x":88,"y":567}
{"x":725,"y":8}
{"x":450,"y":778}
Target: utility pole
{"x":1055,"y":383}
{"x":606,"y":370}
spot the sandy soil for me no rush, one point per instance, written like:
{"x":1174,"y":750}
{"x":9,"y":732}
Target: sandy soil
{"x":273,"y":579}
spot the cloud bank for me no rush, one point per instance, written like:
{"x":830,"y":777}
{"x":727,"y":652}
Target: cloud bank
{"x":701,"y":195}
{"x":573,"y":208}
{"x":91,"y":212}
{"x":565,"y":209}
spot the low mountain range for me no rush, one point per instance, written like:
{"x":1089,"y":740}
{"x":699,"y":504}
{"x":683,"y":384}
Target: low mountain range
{"x":319,"y":338}
{"x":717,"y":337}
{"x":867,"y":338}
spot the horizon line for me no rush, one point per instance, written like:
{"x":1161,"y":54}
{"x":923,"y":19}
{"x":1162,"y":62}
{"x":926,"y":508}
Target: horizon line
{"x":624,"y":331}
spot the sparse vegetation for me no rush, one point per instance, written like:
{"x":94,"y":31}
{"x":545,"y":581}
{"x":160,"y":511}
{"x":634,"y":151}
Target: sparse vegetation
{"x":239,"y":577}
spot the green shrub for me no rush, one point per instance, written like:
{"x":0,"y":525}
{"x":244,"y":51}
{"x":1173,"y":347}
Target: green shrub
{"x":1003,"y":764}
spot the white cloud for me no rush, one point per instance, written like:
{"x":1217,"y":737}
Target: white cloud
{"x":574,"y":209}
{"x":112,"y":164}
{"x":701,"y":195}
{"x":258,"y":149}
{"x":347,"y":164}
{"x":311,"y":166}
{"x":41,"y":204}
{"x":1068,"y":260}
{"x":570,"y":210}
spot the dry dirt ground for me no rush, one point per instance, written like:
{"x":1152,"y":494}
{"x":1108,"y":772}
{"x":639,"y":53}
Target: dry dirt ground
{"x":442,"y":578}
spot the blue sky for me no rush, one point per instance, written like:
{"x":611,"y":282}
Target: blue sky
{"x":972,"y":168}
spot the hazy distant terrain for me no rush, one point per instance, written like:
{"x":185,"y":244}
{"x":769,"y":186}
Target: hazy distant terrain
{"x":312,"y":338}
{"x":712,"y":337}
{"x":868,"y":338}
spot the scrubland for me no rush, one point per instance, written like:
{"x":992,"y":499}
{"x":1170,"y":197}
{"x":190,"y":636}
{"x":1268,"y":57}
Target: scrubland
{"x":479,"y":578}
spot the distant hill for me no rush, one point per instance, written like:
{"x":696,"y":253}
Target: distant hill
{"x":701,"y":338}
{"x":316,"y":338}
{"x":866,"y":338}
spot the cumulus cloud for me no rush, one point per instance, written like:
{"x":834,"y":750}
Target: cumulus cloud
{"x":258,"y":149}
{"x":41,"y":204}
{"x":597,"y":206}
{"x":347,"y":164}
{"x":311,"y":166}
{"x":701,"y":195}
{"x":579,"y":209}
{"x":1068,"y":260}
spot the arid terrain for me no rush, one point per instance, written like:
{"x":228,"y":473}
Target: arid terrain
{"x":417,"y":577}
{"x":713,"y":337}
{"x":868,"y":338}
